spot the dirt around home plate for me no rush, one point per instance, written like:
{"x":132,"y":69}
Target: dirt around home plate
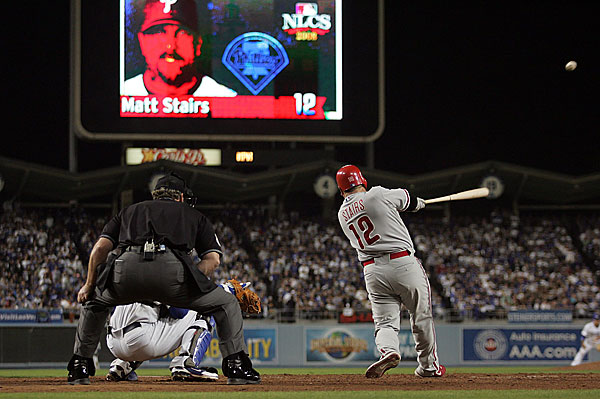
{"x":576,"y":379}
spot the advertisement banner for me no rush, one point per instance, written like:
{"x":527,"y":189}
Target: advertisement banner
{"x":525,"y":344}
{"x":540,"y":316}
{"x":31,"y":316}
{"x":261,"y":343}
{"x":189,"y":156}
{"x":350,"y":344}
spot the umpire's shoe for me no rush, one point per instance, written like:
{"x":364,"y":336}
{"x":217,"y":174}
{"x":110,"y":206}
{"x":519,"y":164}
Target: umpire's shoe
{"x":386,"y":362}
{"x":238,"y":370}
{"x":80,"y":368}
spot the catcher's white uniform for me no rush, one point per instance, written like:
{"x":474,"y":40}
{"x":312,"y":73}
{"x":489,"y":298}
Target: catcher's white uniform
{"x":138,"y":332}
{"x":393,"y":275}
{"x":590,"y":335}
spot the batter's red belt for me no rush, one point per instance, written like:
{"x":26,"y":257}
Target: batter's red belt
{"x":393,"y":255}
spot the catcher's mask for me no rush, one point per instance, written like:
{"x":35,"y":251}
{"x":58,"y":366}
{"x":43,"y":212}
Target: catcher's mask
{"x":173,"y":181}
{"x":348,"y":177}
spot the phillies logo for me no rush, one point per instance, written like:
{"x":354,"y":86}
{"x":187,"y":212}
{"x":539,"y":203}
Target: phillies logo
{"x":255,"y":58}
{"x":306,"y":23}
{"x":168,"y":4}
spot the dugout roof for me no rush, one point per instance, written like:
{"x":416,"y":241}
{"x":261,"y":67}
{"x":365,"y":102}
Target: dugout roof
{"x":28,"y":182}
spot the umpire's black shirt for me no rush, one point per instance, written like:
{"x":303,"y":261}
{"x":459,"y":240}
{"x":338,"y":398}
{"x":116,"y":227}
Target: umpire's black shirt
{"x":175,"y":224}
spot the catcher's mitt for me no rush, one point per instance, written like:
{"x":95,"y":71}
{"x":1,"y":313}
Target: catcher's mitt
{"x":249,"y":301}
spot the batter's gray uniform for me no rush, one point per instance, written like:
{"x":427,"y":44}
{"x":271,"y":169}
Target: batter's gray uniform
{"x":393,"y":275}
{"x":151,"y":337}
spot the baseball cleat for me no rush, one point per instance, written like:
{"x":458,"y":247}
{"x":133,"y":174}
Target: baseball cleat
{"x":419,"y":372}
{"x":238,"y":370}
{"x":386,"y":362}
{"x":200,"y":374}
{"x":79,"y":375}
{"x":113,"y":376}
{"x":132,"y":376}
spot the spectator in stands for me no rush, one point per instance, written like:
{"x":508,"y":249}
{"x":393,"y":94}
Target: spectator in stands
{"x":486,"y":266}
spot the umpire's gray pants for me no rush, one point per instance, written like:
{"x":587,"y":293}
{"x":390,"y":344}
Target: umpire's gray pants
{"x":390,"y":283}
{"x":166,"y":280}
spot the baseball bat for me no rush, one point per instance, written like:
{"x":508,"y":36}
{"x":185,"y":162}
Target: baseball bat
{"x":463,"y":195}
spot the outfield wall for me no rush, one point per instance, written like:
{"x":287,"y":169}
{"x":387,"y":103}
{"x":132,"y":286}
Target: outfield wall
{"x":327,"y":344}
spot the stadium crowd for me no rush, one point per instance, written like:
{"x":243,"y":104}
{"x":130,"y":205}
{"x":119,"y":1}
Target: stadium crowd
{"x":488,"y":266}
{"x":480,"y":266}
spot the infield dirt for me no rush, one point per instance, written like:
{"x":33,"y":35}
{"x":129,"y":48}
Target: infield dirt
{"x":337,"y":382}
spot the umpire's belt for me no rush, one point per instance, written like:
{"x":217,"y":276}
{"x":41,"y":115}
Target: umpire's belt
{"x":122,"y":331}
{"x":158,"y":248}
{"x":393,"y":255}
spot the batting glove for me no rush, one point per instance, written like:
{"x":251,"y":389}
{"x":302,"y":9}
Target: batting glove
{"x":420,"y":204}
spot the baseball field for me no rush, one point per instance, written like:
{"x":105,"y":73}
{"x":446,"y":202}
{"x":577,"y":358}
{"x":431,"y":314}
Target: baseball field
{"x":332,"y":383}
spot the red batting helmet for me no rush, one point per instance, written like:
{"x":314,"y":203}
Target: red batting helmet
{"x":349,"y":176}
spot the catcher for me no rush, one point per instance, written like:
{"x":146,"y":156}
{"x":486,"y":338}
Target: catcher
{"x":140,"y":332}
{"x":590,"y":338}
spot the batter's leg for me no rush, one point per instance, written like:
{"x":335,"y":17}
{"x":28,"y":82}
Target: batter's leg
{"x":417,"y":299}
{"x":386,"y":315}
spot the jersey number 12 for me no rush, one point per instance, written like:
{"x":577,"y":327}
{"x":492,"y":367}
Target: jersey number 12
{"x":366,"y":227}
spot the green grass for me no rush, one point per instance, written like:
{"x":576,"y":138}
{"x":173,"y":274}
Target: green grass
{"x":248,"y":394}
{"x":482,"y":394}
{"x":40,"y":373}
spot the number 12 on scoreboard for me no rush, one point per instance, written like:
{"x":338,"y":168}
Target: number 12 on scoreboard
{"x":305,"y":102}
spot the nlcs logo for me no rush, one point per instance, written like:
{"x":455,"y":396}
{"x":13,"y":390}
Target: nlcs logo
{"x":255,"y":58}
{"x":306,"y":23}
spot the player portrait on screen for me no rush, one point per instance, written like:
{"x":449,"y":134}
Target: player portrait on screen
{"x":271,"y":59}
{"x":170,"y":42}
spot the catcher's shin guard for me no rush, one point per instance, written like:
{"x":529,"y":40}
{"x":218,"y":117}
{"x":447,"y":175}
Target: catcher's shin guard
{"x":202,"y":344}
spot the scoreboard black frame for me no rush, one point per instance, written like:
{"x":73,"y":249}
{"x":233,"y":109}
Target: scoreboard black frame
{"x":266,"y":104}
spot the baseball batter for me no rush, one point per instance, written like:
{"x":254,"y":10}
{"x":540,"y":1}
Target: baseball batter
{"x":140,"y":332}
{"x":393,"y":276}
{"x":590,"y":338}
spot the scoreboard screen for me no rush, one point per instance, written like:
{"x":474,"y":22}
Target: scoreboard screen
{"x":246,"y":70}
